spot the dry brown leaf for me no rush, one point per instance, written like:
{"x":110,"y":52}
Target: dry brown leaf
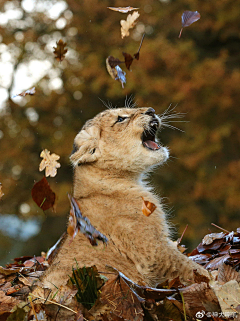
{"x":123,"y":9}
{"x":200,"y":298}
{"x":1,"y":192}
{"x":43,"y":195}
{"x":228,"y":295}
{"x":124,"y":303}
{"x":60,"y":50}
{"x":30,"y":91}
{"x":166,"y":311}
{"x":49,"y":162}
{"x":147,"y":207}
{"x":7,"y":302}
{"x":128,"y":24}
{"x":209,"y":238}
{"x":199,"y":278}
{"x":227,"y":273}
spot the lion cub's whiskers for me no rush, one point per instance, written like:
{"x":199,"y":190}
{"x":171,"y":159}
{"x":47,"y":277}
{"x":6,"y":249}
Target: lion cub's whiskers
{"x":168,"y":117}
{"x":129,"y":102}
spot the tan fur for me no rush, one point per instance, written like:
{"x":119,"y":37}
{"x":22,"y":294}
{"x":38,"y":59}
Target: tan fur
{"x":109,"y":160}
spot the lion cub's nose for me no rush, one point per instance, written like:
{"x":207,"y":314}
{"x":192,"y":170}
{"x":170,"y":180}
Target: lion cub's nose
{"x":150,"y":111}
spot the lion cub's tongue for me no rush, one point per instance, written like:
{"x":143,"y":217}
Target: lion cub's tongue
{"x":151,"y":144}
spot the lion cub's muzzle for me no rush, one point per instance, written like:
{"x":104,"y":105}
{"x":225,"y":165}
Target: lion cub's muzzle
{"x":149,"y":133}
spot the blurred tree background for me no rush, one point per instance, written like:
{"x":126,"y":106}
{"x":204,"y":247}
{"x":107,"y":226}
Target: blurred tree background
{"x":200,"y":72}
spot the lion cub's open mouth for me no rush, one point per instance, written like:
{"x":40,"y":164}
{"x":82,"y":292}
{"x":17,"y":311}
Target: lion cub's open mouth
{"x":148,"y":136}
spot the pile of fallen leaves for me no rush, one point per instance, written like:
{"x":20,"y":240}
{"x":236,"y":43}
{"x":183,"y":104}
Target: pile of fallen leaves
{"x":90,"y":295}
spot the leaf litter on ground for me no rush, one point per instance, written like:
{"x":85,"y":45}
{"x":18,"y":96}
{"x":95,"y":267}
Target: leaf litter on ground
{"x":121,"y":299}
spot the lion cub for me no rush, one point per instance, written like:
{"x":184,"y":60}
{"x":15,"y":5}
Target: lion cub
{"x":111,"y":153}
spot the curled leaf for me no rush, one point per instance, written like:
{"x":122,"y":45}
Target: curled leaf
{"x":128,"y":24}
{"x":147,"y":207}
{"x":60,"y":50}
{"x":114,"y":70}
{"x":189,"y":17}
{"x":77,"y":222}
{"x":42,"y":194}
{"x":123,"y":9}
{"x":120,"y":75}
{"x":209,"y":238}
{"x":30,"y":91}
{"x":113,"y":62}
{"x":49,"y":163}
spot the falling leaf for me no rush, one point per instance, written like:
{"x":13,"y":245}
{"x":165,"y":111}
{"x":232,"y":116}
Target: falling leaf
{"x":123,"y":9}
{"x":128,"y":60}
{"x":136,"y":55}
{"x":128,"y":24}
{"x":147,"y":207}
{"x":113,"y":62}
{"x":120,"y":75}
{"x":77,"y":222}
{"x":42,"y":194}
{"x":189,"y":17}
{"x":49,"y":162}
{"x":31,"y":91}
{"x":114,"y":70}
{"x":1,"y":192}
{"x":60,"y":50}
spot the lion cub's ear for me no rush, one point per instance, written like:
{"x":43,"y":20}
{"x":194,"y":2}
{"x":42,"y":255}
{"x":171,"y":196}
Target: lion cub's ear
{"x":86,"y":149}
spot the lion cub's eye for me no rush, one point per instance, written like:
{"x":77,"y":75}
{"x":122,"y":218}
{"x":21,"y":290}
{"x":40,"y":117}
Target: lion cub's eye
{"x":120,"y":119}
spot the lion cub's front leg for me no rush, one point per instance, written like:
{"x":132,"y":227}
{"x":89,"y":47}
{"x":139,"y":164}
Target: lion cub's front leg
{"x":156,"y":257}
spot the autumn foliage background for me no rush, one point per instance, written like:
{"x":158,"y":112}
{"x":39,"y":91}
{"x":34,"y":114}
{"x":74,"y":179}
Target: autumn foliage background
{"x":200,"y":72}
